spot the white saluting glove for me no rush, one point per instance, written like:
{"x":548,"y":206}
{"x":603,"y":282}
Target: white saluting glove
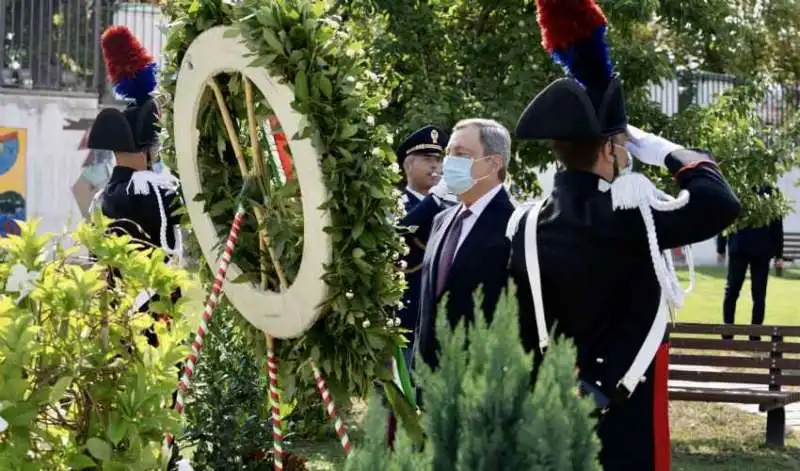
{"x":649,"y":148}
{"x":442,"y":193}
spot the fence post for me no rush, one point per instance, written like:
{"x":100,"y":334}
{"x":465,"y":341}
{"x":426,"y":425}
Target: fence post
{"x":99,"y":83}
{"x":2,"y":40}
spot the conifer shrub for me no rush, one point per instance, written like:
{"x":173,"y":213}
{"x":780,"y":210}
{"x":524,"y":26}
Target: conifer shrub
{"x":480,"y":411}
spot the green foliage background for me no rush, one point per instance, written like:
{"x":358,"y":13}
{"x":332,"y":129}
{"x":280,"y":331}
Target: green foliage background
{"x":79,"y":385}
{"x":445,"y":60}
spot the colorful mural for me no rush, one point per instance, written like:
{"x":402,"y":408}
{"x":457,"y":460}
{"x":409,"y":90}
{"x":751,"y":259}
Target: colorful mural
{"x":13,"y":172}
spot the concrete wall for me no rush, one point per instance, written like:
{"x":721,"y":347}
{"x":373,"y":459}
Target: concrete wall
{"x":53,"y":125}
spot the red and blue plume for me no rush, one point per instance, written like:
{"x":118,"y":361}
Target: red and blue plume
{"x":130,"y":67}
{"x":574,"y":33}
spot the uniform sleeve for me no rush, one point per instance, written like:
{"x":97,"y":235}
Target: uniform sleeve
{"x":419,"y":220}
{"x":712,"y":204}
{"x":722,"y":242}
{"x":776,"y":233}
{"x":172,"y":203}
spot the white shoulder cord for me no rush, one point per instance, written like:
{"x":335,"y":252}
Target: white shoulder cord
{"x":636,"y":191}
{"x":141,"y":182}
{"x":94,"y":201}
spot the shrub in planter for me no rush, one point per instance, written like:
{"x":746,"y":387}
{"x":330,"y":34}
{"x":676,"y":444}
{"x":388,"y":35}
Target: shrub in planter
{"x":481,"y":412}
{"x":80,"y":388}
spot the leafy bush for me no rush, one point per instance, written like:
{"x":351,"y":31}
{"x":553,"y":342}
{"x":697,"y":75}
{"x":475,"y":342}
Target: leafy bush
{"x":751,"y":153}
{"x":80,"y":387}
{"x":473,"y":425}
{"x":228,"y":409}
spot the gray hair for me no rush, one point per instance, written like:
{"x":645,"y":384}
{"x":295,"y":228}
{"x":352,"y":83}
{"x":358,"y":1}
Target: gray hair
{"x":495,"y":138}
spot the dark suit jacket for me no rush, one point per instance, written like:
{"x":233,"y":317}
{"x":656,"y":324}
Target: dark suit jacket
{"x":482,"y":259}
{"x":416,"y":229}
{"x":764,"y":242}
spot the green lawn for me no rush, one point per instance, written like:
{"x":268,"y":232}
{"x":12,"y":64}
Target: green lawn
{"x":704,"y":304}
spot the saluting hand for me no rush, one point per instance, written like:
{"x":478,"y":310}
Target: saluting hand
{"x":442,"y":193}
{"x":649,"y":148}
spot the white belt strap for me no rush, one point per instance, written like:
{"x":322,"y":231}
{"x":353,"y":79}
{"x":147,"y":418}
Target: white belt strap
{"x":534,"y":273}
{"x":531,"y":247}
{"x":648,"y":350}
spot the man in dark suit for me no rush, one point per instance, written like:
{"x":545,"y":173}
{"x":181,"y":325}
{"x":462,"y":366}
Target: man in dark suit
{"x":467,"y":247}
{"x":752,"y":247}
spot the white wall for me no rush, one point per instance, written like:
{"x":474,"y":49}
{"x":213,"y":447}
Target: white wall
{"x":147,"y":23}
{"x":53,"y":159}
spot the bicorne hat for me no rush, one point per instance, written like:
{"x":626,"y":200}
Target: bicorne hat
{"x":589,"y":102}
{"x":132,"y":71}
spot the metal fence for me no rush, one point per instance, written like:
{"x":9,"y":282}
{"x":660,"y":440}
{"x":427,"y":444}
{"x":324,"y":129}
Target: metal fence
{"x":703,"y":88}
{"x":55,"y":44}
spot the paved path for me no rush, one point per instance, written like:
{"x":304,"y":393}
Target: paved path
{"x":792,"y":410}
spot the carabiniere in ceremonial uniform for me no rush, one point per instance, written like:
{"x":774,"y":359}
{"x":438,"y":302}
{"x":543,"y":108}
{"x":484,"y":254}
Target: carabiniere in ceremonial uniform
{"x":141,"y":195}
{"x":586,"y":260}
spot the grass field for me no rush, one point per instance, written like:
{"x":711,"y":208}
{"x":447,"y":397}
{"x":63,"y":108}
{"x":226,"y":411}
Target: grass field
{"x":704,"y":304}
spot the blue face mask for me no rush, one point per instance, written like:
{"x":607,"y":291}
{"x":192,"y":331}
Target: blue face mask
{"x":457,"y":173}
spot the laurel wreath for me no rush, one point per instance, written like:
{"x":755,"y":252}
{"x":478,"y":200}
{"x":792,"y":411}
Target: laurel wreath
{"x":338,"y":97}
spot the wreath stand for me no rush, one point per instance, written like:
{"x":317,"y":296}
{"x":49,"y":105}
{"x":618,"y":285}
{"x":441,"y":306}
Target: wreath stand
{"x":292,"y":311}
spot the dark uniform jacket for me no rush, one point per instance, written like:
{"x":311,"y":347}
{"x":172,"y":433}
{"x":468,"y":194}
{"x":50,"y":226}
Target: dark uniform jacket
{"x":482,"y":260}
{"x":765,"y":242}
{"x":598,"y":282}
{"x":417,"y":225}
{"x":600,"y":289}
{"x":138,"y":215}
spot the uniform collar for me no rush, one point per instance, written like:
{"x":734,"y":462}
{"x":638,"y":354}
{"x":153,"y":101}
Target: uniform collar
{"x":121,"y":174}
{"x":415,"y":193}
{"x":581,"y":180}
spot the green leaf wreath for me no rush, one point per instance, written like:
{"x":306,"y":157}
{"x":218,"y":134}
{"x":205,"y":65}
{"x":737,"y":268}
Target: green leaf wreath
{"x":338,"y":97}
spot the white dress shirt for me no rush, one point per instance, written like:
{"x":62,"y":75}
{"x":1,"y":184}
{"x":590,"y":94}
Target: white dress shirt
{"x":476,"y":209}
{"x":419,"y":195}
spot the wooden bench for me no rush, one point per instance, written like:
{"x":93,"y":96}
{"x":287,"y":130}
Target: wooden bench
{"x":700,"y":355}
{"x":791,"y":246}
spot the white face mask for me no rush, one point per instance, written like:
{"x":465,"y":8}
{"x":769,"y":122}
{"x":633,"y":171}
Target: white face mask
{"x":627,"y":169}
